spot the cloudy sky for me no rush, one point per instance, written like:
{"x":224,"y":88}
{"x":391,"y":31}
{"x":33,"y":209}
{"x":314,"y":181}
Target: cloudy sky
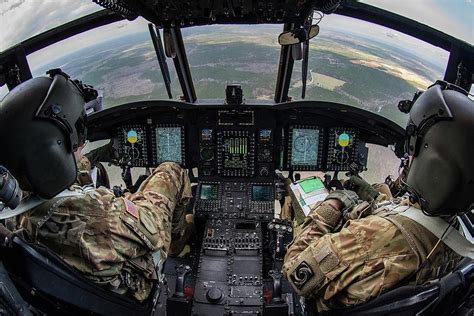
{"x":21,"y":19}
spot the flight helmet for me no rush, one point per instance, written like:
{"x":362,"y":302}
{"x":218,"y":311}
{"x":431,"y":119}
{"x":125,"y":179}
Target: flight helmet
{"x":439,"y":136}
{"x":42,"y":123}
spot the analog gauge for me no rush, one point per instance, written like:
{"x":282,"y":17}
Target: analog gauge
{"x":207,"y":153}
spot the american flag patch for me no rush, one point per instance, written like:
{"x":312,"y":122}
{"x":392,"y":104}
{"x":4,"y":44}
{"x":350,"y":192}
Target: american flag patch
{"x":131,"y":209}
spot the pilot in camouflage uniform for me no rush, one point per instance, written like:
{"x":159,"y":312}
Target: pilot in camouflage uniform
{"x":347,"y":252}
{"x":115,"y":241}
{"x":111,"y":240}
{"x":361,"y":260}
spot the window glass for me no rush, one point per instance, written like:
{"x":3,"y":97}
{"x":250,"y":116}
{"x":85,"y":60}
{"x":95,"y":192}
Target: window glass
{"x":20,"y":20}
{"x":453,"y":17}
{"x":367,"y":66}
{"x":3,"y":91}
{"x":223,"y":54}
{"x":118,"y":60}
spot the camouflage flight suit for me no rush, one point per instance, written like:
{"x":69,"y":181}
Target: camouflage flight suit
{"x":339,"y":265}
{"x":111,"y":240}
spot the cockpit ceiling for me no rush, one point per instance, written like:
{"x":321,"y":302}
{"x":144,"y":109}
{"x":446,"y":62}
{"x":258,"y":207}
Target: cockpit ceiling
{"x":181,"y":13}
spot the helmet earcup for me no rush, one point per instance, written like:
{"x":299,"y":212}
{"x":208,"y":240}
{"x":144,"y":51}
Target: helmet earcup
{"x":435,"y":178}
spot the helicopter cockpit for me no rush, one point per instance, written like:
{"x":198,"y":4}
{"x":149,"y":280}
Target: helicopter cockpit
{"x":235,"y":148}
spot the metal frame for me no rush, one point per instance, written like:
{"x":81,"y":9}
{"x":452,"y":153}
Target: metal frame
{"x":182,"y":66}
{"x":285,"y":70}
{"x":160,"y":55}
{"x":459,"y":70}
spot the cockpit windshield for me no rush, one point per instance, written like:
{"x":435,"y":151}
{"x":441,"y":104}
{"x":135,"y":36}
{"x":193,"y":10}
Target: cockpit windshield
{"x":351,"y":61}
{"x":223,"y":54}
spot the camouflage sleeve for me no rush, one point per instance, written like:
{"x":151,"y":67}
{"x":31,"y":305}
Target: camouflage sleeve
{"x":322,"y":220}
{"x":150,"y":212}
{"x":359,"y":262}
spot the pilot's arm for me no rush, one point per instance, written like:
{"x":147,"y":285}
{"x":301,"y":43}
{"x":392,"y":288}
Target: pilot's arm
{"x":350,"y":266}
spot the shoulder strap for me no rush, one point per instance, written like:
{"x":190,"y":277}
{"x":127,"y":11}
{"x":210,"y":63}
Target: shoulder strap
{"x":453,"y":239}
{"x":33,"y":201}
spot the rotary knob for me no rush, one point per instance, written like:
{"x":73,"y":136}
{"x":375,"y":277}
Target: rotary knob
{"x":214,"y":295}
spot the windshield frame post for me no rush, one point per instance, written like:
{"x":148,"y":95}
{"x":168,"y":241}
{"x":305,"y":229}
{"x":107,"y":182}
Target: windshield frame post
{"x":285,"y":69}
{"x":160,"y":55}
{"x":16,"y":59}
{"x":182,"y":66}
{"x":460,"y":67}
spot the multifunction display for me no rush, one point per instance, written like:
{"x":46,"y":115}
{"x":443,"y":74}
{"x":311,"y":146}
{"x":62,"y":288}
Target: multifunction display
{"x":305,"y":146}
{"x":133,"y":144}
{"x":343,"y":148}
{"x":236,"y":153}
{"x":262,"y":193}
{"x":209,"y":192}
{"x":169,"y":144}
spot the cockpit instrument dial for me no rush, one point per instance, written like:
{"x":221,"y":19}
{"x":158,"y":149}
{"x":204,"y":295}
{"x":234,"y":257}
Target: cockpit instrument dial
{"x":342,"y":151}
{"x":133,"y":144}
{"x":305,"y":146}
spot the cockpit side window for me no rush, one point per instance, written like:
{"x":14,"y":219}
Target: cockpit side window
{"x":118,"y":60}
{"x":367,"y":66}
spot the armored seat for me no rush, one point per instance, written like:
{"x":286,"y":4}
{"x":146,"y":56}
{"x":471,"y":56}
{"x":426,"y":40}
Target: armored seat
{"x":47,"y":282}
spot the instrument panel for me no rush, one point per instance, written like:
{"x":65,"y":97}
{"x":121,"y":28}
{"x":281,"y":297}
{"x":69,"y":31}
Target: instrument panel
{"x":245,"y":152}
{"x":245,"y":142}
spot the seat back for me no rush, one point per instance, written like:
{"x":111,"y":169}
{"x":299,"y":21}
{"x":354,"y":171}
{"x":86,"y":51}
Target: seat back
{"x":437,"y":298}
{"x":48,"y":283}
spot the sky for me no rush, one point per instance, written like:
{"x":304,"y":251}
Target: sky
{"x":21,"y":19}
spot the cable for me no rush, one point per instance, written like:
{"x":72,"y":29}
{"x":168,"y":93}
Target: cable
{"x":434,"y":248}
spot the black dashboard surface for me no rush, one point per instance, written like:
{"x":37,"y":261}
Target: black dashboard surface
{"x":247,"y":140}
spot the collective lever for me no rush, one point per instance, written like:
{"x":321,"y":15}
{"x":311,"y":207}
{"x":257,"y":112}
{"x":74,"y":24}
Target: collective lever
{"x":276,"y":276}
{"x":181,"y":273}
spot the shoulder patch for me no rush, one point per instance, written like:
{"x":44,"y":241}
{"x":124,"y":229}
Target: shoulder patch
{"x":131,"y":208}
{"x":301,"y":275}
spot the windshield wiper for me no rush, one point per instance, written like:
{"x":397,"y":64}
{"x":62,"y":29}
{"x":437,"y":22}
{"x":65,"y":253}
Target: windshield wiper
{"x":304,"y":68}
{"x":160,"y":54}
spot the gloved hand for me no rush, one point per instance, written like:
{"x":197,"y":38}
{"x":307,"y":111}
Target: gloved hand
{"x":105,"y":153}
{"x":348,"y":198}
{"x":363,"y":189}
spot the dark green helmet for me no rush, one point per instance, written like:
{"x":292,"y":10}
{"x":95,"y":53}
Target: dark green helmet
{"x":440,"y":136}
{"x":42,"y":122}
